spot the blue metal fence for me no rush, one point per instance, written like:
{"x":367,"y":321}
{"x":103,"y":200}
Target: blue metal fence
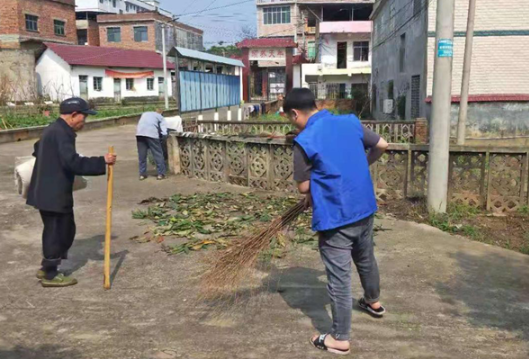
{"x":204,"y":90}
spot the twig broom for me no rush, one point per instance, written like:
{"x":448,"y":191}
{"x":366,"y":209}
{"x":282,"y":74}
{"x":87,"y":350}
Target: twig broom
{"x":228,"y":268}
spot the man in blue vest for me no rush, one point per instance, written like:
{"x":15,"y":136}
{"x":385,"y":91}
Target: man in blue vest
{"x":331,"y":167}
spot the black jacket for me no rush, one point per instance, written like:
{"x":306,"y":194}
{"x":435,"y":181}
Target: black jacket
{"x":55,"y":169}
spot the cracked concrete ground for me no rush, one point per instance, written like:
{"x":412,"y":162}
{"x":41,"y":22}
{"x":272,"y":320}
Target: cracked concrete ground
{"x":447,"y":297}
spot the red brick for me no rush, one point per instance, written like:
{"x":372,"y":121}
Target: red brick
{"x":13,"y":21}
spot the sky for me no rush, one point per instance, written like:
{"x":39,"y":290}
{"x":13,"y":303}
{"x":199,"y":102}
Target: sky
{"x":221,"y":20}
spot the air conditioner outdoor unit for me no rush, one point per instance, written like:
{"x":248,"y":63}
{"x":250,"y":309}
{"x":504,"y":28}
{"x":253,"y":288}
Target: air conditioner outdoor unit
{"x":388,"y":106}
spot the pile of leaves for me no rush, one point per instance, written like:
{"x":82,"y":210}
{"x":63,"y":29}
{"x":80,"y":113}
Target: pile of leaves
{"x":215,"y":219}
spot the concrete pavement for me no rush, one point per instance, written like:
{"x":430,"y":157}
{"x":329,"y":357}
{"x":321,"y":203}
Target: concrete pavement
{"x":447,"y":297}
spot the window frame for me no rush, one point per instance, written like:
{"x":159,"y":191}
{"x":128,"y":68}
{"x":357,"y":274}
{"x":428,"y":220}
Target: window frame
{"x":150,"y":84}
{"x":108,"y":33}
{"x":55,"y":21}
{"x":98,"y":80}
{"x":277,"y":15}
{"x":361,"y":48}
{"x":141,"y":33}
{"x":29,"y":21}
{"x":131,"y":82}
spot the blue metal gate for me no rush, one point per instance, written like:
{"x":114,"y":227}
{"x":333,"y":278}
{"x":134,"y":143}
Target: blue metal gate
{"x":204,"y":90}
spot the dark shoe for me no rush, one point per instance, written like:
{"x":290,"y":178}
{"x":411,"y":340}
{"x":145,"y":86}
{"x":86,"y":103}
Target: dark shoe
{"x":378,"y":313}
{"x":143,"y":178}
{"x":60,"y":280}
{"x":319,"y":343}
{"x":41,"y":274}
{"x":160,"y":177}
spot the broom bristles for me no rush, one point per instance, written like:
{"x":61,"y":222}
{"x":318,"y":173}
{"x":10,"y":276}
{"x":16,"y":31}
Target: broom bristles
{"x":228,"y":268}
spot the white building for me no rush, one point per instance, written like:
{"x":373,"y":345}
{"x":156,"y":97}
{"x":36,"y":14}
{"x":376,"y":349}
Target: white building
{"x":119,"y":6}
{"x":107,"y":74}
{"x":344,"y":67}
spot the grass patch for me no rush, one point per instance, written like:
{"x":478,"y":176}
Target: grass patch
{"x":13,"y":120}
{"x":508,"y":230}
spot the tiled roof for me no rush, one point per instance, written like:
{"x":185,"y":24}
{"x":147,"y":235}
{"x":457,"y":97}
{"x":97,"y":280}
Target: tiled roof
{"x":490,"y":98}
{"x":266,"y":42}
{"x":108,"y":56}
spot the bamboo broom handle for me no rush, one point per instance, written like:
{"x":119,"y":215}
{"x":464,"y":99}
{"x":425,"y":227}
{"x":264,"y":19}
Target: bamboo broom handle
{"x":108,"y":233}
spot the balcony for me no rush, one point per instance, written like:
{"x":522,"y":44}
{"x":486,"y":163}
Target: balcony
{"x":270,"y":2}
{"x":310,"y":30}
{"x":346,"y":27}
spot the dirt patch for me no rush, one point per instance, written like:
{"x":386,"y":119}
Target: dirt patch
{"x":506,"y":231}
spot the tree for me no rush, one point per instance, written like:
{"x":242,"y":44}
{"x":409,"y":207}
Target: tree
{"x":226,"y":51}
{"x":247,"y":32}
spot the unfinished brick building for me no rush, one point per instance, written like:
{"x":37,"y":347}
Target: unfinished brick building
{"x":24,"y":26}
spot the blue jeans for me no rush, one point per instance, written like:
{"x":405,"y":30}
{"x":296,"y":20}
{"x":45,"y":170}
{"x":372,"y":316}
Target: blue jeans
{"x":338,"y":248}
{"x":155,"y":145}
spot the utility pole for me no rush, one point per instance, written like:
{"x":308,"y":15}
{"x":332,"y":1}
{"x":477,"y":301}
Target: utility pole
{"x":463,"y":103}
{"x":441,"y":101}
{"x":165,"y":81}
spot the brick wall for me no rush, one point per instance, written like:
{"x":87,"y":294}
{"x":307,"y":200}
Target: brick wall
{"x":17,"y":74}
{"x":490,"y":15}
{"x":48,"y":11}
{"x":127,"y":36}
{"x":276,"y":30}
{"x":185,"y":35}
{"x":93,"y":33}
{"x":499,"y":62}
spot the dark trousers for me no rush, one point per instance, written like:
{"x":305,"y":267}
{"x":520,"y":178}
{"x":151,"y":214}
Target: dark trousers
{"x":57,"y":239}
{"x":155,"y":145}
{"x":338,"y":248}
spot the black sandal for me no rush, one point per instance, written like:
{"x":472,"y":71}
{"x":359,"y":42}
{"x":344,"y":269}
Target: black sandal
{"x":377,"y":313}
{"x":319,"y":343}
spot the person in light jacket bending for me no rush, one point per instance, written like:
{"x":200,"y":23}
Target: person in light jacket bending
{"x":151,"y":132}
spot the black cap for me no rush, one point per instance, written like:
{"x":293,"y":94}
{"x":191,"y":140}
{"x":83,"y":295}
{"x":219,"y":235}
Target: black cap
{"x":76,"y":104}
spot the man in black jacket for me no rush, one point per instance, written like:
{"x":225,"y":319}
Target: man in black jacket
{"x":50,"y":191}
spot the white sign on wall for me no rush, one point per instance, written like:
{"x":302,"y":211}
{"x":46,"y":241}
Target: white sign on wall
{"x":267,"y":54}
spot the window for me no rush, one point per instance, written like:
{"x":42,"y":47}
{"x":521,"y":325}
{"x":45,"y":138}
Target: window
{"x":98,"y":83}
{"x":141,"y":34}
{"x":415,"y":96}
{"x":59,"y":26}
{"x":82,"y":37}
{"x":402,"y":53}
{"x":114,"y":3}
{"x":361,"y":50}
{"x":150,"y":84}
{"x":342,"y":55}
{"x":114,"y":34}
{"x":391,"y":89}
{"x":417,"y":7}
{"x":276,"y":15}
{"x":130,"y":84}
{"x":32,"y":23}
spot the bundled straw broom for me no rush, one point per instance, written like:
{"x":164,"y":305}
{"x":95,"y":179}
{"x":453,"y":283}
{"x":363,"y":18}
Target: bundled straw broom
{"x":228,"y":268}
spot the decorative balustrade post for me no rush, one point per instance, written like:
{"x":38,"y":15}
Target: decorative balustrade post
{"x":421,"y":131}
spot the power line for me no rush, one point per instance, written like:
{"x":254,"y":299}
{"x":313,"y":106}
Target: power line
{"x":215,"y":8}
{"x":206,"y":8}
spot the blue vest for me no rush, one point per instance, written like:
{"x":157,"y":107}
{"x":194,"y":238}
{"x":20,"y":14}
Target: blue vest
{"x":340,"y":183}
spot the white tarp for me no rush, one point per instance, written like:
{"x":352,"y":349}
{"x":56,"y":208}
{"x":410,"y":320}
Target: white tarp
{"x":24,"y":170}
{"x":174,"y":123}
